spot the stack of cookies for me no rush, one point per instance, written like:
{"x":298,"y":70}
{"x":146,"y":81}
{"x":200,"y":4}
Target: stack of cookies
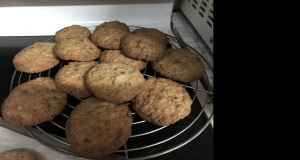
{"x":104,"y":70}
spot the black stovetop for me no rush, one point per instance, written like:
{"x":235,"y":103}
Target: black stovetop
{"x":199,"y":148}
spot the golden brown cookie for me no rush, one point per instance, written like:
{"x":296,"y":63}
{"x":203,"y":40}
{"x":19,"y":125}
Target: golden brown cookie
{"x":153,"y":32}
{"x":73,"y":31}
{"x":115,"y":24}
{"x":70,"y":78}
{"x":33,"y":102}
{"x":96,"y":128}
{"x":180,"y":65}
{"x":17,"y":154}
{"x":107,"y":35}
{"x":114,"y":82}
{"x":162,"y":102}
{"x":142,"y":47}
{"x":118,"y":56}
{"x":79,"y":49}
{"x":36,"y":58}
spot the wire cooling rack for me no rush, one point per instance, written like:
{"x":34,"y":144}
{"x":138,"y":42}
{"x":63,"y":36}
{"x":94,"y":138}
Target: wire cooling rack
{"x":147,"y":140}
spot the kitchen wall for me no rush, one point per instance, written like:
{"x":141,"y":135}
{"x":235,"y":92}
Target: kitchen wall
{"x":74,"y":2}
{"x":44,"y":17}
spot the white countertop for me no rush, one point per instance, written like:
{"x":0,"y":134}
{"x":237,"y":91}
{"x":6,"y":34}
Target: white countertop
{"x":12,"y":140}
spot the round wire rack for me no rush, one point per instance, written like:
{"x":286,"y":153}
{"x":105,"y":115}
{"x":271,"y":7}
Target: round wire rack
{"x":147,"y":140}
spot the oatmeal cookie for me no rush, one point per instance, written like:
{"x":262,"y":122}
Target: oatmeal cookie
{"x":73,"y":31}
{"x":118,"y":56}
{"x":17,"y":154}
{"x":162,"y":102}
{"x":96,"y":128}
{"x":33,"y":102}
{"x":70,"y":78}
{"x":80,"y":49}
{"x":36,"y":58}
{"x":142,"y":47}
{"x":180,"y":65}
{"x":114,"y":82}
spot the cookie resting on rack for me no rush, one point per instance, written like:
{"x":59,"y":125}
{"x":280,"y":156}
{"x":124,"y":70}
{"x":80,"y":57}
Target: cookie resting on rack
{"x":180,"y":65}
{"x":73,"y":31}
{"x":108,"y":34}
{"x":71,"y":78}
{"x":80,"y":49}
{"x":114,"y":82}
{"x":36,"y":58}
{"x":33,"y":102}
{"x":162,"y":102}
{"x":117,"y":55}
{"x":153,"y":32}
{"x":112,"y":24}
{"x":96,"y":128}
{"x":142,"y":47}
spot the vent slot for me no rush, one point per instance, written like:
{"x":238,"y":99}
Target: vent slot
{"x":195,"y":1}
{"x":194,"y":6}
{"x":211,"y":11}
{"x":211,"y":18}
{"x":204,"y":3}
{"x":209,"y":24}
{"x":201,"y":14}
{"x":210,"y":15}
{"x":202,"y":9}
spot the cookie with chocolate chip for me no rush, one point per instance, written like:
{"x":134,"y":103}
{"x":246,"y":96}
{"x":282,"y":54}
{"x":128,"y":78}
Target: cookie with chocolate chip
{"x":35,"y":58}
{"x":73,"y":32}
{"x":70,"y":78}
{"x":114,"y":82}
{"x":180,"y":65}
{"x":79,"y":49}
{"x":114,"y":24}
{"x":107,"y":35}
{"x":162,"y":102}
{"x":117,"y":55}
{"x":33,"y":102}
{"x":96,"y":128}
{"x":153,"y":32}
{"x":142,"y":47}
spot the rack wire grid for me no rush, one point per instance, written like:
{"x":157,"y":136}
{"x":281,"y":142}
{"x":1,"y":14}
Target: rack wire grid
{"x":163,"y":139}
